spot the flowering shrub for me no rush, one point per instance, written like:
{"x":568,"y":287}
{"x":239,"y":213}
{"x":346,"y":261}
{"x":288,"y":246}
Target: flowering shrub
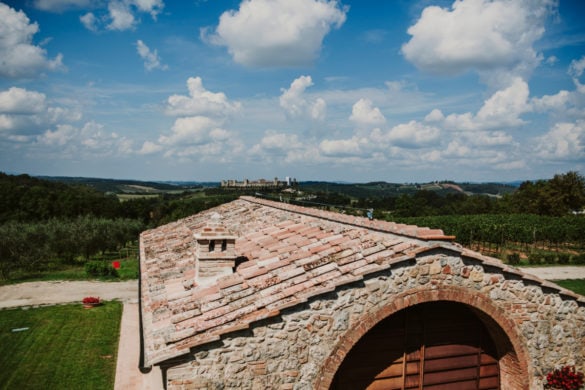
{"x":565,"y":378}
{"x":88,"y":300}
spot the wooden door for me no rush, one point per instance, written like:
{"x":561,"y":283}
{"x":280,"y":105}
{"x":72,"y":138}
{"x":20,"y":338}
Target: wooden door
{"x":437,"y":346}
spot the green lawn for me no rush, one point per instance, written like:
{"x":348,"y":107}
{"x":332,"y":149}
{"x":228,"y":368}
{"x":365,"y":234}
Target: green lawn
{"x":64,"y":347}
{"x":128,"y":271}
{"x":576,"y":285}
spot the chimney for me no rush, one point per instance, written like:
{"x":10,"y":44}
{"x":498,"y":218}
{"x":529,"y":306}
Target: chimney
{"x":215,"y":253}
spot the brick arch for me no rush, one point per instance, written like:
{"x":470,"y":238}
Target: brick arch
{"x":514,"y":366}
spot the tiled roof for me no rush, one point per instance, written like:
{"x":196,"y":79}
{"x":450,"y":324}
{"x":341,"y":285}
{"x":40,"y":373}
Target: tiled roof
{"x":293,"y":253}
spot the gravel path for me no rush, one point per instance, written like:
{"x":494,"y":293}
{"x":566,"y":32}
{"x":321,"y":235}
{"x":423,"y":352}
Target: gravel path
{"x":556,"y":273}
{"x":50,"y":293}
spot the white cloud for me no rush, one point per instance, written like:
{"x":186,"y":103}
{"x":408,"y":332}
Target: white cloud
{"x":277,"y":32}
{"x":413,"y":135}
{"x":435,"y":116}
{"x":363,"y":113}
{"x":294,"y":102}
{"x":557,"y":101}
{"x":60,"y":5}
{"x":341,"y":147}
{"x":200,"y":102}
{"x":279,"y":147}
{"x":149,"y":147}
{"x":19,"y":56}
{"x":24,"y":112}
{"x":153,"y":7}
{"x":19,"y":101}
{"x":90,"y":21}
{"x":576,"y":71}
{"x":502,"y":109}
{"x":198,"y":134}
{"x":564,"y":142}
{"x":119,"y":15}
{"x":577,"y":66}
{"x":485,"y":35}
{"x":195,"y":130}
{"x":151,"y":58}
{"x":89,"y":142}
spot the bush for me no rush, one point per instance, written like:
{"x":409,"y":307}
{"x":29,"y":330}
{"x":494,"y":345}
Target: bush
{"x":514,"y":258}
{"x":563,"y":258}
{"x":550,"y":258}
{"x":534,"y":258}
{"x":100,"y":268}
{"x":579,"y":259}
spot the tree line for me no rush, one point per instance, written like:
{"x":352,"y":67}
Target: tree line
{"x":47,"y":225}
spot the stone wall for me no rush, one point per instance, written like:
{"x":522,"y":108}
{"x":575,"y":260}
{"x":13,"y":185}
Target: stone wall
{"x":302,"y":348}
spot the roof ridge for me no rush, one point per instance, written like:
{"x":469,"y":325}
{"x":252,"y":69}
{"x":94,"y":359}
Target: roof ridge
{"x":413,"y":231}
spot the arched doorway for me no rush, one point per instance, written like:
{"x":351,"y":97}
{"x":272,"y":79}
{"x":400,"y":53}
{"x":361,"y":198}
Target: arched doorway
{"x":433,"y":345}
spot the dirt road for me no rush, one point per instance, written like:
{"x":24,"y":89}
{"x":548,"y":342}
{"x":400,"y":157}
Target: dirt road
{"x":50,"y":293}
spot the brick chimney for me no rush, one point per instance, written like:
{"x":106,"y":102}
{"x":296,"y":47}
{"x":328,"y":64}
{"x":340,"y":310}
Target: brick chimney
{"x":215,"y":253}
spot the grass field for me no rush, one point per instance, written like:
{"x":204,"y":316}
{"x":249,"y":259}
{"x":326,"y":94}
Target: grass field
{"x":576,"y":285}
{"x":128,"y":271}
{"x":59,"y":347}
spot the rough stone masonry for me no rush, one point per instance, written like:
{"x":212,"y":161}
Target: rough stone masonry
{"x":315,"y":283}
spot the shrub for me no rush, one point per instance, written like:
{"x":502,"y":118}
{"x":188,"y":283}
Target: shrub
{"x":534,"y":258}
{"x":549,"y":258}
{"x":579,"y":259}
{"x":514,"y":258}
{"x":563,"y":258}
{"x":100,"y":268}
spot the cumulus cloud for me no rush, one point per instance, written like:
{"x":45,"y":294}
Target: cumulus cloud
{"x":24,"y":113}
{"x":279,"y":147}
{"x":503,"y":109}
{"x":88,"y":142}
{"x":576,"y":71}
{"x":342,"y":147}
{"x":197,"y":137}
{"x":19,"y":56}
{"x":198,"y":132}
{"x":484,"y":35}
{"x":90,"y":21}
{"x":195,"y":130}
{"x":150,"y":57}
{"x":19,"y":101}
{"x":294,"y":102}
{"x":273,"y":33}
{"x":363,"y":113}
{"x":411,"y":135}
{"x":564,"y":142}
{"x":149,"y":147}
{"x":119,"y":15}
{"x":200,"y":102}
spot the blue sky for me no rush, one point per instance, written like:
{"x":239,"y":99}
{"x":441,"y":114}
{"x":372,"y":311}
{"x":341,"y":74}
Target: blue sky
{"x":393,"y":90}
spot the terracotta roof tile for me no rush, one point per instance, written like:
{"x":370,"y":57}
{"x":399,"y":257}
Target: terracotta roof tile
{"x":294,"y":253}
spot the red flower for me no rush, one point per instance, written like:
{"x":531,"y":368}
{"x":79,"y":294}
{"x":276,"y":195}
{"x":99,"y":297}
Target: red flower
{"x":91,"y":300}
{"x":565,"y":378}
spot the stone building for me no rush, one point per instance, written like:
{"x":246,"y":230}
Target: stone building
{"x":260,"y":184}
{"x":255,"y":294}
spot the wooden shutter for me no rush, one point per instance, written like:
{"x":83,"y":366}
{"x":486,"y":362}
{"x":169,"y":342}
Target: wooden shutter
{"x":437,"y":346}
